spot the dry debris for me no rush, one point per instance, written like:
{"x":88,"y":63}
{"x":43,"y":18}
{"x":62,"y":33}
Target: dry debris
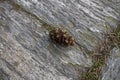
{"x":101,"y":54}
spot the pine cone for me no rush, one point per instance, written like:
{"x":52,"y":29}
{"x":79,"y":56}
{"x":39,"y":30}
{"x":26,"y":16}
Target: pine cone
{"x":61,"y":37}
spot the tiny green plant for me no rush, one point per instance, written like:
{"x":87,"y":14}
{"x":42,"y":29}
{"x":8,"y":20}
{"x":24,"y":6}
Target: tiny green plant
{"x":101,"y":54}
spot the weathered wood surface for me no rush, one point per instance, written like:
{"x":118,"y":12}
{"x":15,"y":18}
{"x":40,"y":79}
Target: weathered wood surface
{"x":26,"y":52}
{"x":112,"y":70}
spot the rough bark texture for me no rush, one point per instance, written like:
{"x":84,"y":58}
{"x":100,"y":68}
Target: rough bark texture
{"x":26,"y":52}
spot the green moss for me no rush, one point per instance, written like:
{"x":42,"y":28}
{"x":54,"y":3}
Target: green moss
{"x":48,"y":27}
{"x":73,"y":65}
{"x":90,"y":76}
{"x":90,"y":53}
{"x":118,"y":30}
{"x":112,"y":20}
{"x":94,"y":72}
{"x":16,"y":6}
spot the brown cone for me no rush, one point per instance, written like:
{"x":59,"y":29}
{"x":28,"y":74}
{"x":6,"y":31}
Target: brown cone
{"x":62,"y":37}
